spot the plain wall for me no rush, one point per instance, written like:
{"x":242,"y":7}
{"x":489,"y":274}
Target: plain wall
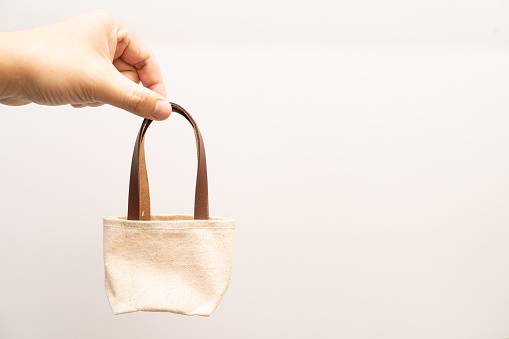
{"x":362,"y":147}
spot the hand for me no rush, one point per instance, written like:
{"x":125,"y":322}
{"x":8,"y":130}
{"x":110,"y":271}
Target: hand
{"x":88,"y":60}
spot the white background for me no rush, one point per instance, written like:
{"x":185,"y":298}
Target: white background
{"x":362,"y":147}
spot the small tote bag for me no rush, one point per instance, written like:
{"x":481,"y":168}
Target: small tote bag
{"x":167,"y":263}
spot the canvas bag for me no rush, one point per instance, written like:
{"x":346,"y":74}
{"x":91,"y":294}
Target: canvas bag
{"x":167,"y":263}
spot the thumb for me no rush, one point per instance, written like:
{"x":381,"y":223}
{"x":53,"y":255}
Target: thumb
{"x":125,"y":94}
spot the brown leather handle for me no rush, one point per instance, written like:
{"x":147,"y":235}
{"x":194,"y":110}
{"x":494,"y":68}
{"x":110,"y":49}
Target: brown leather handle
{"x":139,"y":195}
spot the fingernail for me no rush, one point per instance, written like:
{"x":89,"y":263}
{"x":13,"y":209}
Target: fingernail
{"x":162,"y":110}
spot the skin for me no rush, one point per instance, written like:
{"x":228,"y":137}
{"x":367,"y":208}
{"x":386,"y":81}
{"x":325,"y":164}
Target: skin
{"x":88,"y":60}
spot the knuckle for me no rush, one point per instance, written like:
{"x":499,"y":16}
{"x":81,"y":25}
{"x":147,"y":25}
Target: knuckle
{"x":104,"y":18}
{"x":140,"y":65}
{"x":104,"y":14}
{"x":137,"y":100}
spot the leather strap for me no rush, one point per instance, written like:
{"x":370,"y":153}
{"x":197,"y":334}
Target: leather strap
{"x":139,"y":195}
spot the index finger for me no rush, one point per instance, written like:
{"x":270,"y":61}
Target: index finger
{"x":134,"y":52}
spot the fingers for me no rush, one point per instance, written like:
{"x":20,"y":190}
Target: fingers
{"x":119,"y":91}
{"x":134,"y":62}
{"x":132,"y":51}
{"x":127,"y":70}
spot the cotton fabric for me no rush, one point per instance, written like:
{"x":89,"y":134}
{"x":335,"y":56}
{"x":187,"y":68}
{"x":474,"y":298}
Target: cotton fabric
{"x":171,"y":263}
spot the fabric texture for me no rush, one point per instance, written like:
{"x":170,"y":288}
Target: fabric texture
{"x":171,"y":263}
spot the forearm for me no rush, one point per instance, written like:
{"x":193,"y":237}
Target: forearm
{"x":12,"y":69}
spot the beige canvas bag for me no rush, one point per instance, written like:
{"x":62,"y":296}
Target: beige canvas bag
{"x":168,"y":263}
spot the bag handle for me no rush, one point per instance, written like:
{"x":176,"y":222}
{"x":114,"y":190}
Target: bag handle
{"x":139,"y":195}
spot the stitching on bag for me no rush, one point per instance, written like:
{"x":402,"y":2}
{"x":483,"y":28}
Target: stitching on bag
{"x":170,"y":229}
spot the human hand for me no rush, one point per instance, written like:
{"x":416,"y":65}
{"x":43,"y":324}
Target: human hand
{"x":88,"y":60}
